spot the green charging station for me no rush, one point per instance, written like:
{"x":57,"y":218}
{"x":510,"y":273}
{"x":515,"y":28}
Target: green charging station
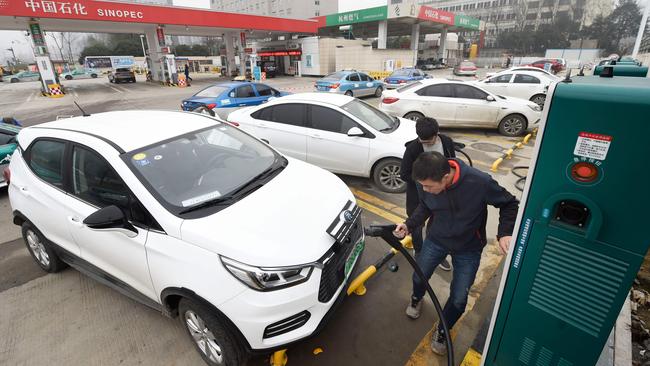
{"x":583,"y":227}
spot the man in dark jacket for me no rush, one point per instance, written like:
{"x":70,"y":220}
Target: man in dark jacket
{"x":457,"y":196}
{"x":429,"y":139}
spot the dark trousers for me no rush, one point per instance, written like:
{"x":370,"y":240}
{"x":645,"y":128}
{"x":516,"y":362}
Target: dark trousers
{"x":465,"y":267}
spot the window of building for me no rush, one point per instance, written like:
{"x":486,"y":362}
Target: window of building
{"x":317,"y":2}
{"x":549,"y":2}
{"x":532,"y":16}
{"x":317,"y":13}
{"x":547,"y":15}
{"x":533,"y":5}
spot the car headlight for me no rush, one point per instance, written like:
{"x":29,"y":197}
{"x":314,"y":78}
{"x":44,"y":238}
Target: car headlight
{"x":267,"y":278}
{"x":535,"y":107}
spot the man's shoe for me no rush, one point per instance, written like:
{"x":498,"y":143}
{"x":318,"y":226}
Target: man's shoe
{"x":445,"y":265}
{"x":438,"y":342}
{"x":414,"y":307}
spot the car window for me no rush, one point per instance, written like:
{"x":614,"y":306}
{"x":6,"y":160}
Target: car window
{"x":46,"y":160}
{"x":263,"y":114}
{"x":336,"y":75}
{"x":526,"y":79}
{"x":364,"y":77}
{"x":416,"y":73}
{"x":353,"y":77}
{"x":123,"y":70}
{"x":95,"y":181}
{"x":438,"y":90}
{"x":211,"y":91}
{"x":5,"y":138}
{"x":400,"y":73}
{"x":468,"y":92}
{"x":289,"y":114}
{"x":505,"y":78}
{"x":408,"y":87}
{"x":327,"y":119}
{"x":263,"y":90}
{"x":245,"y":91}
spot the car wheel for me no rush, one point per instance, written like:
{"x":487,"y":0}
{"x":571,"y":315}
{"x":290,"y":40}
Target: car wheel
{"x":513,"y":125}
{"x":539,"y":99}
{"x":14,"y":80}
{"x":68,"y":77}
{"x":414,"y":116}
{"x":40,"y":250}
{"x":378,"y":91}
{"x":386,"y":176}
{"x":94,"y":76}
{"x":349,"y":93}
{"x":208,"y":332}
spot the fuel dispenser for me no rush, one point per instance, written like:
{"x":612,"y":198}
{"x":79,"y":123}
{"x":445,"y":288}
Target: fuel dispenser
{"x":169,"y":71}
{"x":581,"y":234}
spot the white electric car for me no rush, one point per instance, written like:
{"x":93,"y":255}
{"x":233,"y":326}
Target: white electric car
{"x":335,"y":132}
{"x":458,"y":104}
{"x":519,"y":84}
{"x":192,"y":217}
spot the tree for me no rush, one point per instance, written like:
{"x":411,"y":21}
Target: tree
{"x":622,"y":23}
{"x":95,"y":49}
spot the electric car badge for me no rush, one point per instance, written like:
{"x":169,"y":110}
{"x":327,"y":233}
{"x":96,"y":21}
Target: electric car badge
{"x":347,"y":216}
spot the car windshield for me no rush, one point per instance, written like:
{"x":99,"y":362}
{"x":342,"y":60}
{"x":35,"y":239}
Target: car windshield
{"x":211,"y":91}
{"x":123,"y":70}
{"x":335,"y":75}
{"x":208,"y":165}
{"x":401,"y":73}
{"x":377,"y":119}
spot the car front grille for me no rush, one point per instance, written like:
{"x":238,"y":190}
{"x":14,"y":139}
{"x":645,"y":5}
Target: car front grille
{"x":347,"y":235}
{"x":287,"y":325}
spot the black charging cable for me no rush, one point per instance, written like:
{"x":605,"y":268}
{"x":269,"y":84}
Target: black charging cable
{"x":386,"y":232}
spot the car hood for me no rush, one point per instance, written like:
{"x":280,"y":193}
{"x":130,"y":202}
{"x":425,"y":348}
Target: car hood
{"x":404,"y":133}
{"x":283,"y":223}
{"x":516,"y":102}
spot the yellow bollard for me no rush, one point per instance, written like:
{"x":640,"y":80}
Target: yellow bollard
{"x":508,"y":153}
{"x":495,"y":165}
{"x":525,"y":141}
{"x":279,"y":358}
{"x":357,"y":286}
{"x":518,"y":145}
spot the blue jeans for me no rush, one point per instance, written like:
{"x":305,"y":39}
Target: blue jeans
{"x":465,"y":267}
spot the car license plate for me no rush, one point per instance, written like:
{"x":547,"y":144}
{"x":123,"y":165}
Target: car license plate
{"x":323,"y":88}
{"x":349,"y":263}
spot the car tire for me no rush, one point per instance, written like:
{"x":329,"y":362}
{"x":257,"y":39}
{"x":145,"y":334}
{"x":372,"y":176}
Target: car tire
{"x":68,"y":77}
{"x":513,"y":125}
{"x":94,"y":76}
{"x":210,"y":335}
{"x":538,"y":99}
{"x":386,"y":177}
{"x":349,"y":93}
{"x":14,"y":80}
{"x":378,"y":91}
{"x":414,"y":116}
{"x":41,"y":250}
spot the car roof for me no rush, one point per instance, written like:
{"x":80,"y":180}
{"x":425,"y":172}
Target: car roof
{"x":230,"y":84}
{"x":9,"y":128}
{"x":334,"y":99}
{"x":130,"y":130}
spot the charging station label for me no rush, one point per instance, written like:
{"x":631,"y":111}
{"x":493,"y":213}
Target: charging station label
{"x":521,"y":243}
{"x":592,"y":145}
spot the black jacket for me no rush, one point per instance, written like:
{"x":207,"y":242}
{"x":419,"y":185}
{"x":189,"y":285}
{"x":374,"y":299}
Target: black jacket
{"x":459,"y":213}
{"x":413,"y":150}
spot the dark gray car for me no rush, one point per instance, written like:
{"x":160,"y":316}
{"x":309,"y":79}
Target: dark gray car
{"x":120,"y":75}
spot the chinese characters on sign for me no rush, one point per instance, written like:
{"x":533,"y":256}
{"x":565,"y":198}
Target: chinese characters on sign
{"x":592,"y":146}
{"x":160,"y":33}
{"x":56,"y":7}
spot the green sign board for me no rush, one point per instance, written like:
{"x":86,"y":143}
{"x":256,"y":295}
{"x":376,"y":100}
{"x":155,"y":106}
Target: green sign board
{"x":358,"y":16}
{"x":37,"y":35}
{"x":466,"y":22}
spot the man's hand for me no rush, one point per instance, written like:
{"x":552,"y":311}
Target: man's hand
{"x":401,"y":231}
{"x":504,"y":244}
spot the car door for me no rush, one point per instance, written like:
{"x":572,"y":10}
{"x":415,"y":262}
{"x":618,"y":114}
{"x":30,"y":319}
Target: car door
{"x":265,"y":92}
{"x":283,"y":127}
{"x":499,"y":84}
{"x":245,"y":96}
{"x":328,"y":143}
{"x":438,"y":102}
{"x":525,"y":86}
{"x":113,"y":254}
{"x":354,"y":84}
{"x":417,"y":75}
{"x":473,"y":107}
{"x":367,"y":84}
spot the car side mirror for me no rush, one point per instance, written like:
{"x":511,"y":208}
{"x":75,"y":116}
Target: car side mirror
{"x":110,"y":218}
{"x":355,"y":132}
{"x":490,"y":98}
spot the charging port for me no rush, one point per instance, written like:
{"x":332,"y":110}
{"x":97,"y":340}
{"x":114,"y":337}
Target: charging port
{"x":572,"y":213}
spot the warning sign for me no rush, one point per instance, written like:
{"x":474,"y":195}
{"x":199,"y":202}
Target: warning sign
{"x":592,"y":145}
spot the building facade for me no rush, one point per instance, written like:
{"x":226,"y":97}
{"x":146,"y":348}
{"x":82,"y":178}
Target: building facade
{"x":296,"y":9}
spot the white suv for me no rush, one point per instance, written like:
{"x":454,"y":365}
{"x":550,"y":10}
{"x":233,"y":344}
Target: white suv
{"x":192,"y":217}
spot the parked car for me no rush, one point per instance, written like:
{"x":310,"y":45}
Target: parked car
{"x":269,"y":67}
{"x":350,"y":83}
{"x":7,"y":146}
{"x":121,"y":74}
{"x":335,"y":132}
{"x":402,"y":77}
{"x":24,"y":76}
{"x":465,"y":68}
{"x":223,"y":98}
{"x":427,"y":64}
{"x":459,"y":104}
{"x":528,"y":68}
{"x":519,"y":84}
{"x":79,"y":74}
{"x":188,"y":216}
{"x":557,"y":64}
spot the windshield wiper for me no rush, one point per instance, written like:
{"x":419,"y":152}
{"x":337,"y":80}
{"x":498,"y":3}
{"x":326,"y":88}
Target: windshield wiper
{"x":215,"y":202}
{"x":392,"y":127}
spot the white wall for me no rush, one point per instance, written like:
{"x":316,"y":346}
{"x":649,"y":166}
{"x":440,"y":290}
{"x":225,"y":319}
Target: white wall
{"x":310,"y":51}
{"x":349,"y":5}
{"x":368,"y":59}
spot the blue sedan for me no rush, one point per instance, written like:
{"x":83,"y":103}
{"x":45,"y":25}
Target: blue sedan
{"x":351,"y":83}
{"x":222,"y":98}
{"x":402,"y":77}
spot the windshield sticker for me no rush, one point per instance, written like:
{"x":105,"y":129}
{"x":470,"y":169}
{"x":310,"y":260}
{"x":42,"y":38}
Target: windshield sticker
{"x":143,"y":162}
{"x":201,"y":198}
{"x":225,"y":101}
{"x":139,"y":156}
{"x":157,"y":157}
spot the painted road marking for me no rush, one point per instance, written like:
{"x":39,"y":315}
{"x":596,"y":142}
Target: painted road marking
{"x":379,"y":202}
{"x":117,"y":90}
{"x":379,"y":212}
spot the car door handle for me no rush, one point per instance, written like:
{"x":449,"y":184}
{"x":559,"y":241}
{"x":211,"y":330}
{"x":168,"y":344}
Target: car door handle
{"x":262,"y":125}
{"x":23,"y":190}
{"x":317,"y":136}
{"x":242,"y":105}
{"x":74,"y":220}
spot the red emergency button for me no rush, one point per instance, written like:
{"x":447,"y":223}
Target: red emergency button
{"x":584,"y":172}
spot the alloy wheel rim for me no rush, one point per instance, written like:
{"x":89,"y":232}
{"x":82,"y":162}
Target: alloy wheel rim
{"x":389,"y":177}
{"x":203,"y":337}
{"x":513,"y":126}
{"x":539,"y":101}
{"x":414,"y":117}
{"x":37,"y":247}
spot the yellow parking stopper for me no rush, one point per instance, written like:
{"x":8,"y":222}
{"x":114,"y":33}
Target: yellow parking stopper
{"x":279,"y":358}
{"x":357,"y":285}
{"x":525,"y":141}
{"x":317,"y":350}
{"x":495,"y":165}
